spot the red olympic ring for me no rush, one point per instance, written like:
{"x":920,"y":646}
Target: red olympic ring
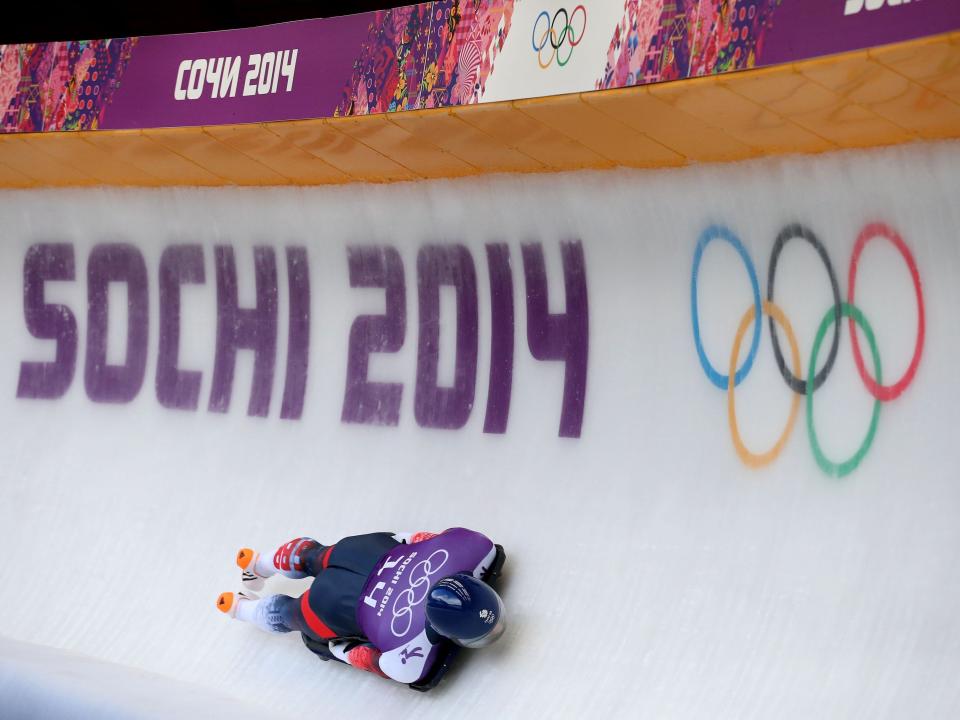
{"x":886,"y":392}
{"x":583,"y":32}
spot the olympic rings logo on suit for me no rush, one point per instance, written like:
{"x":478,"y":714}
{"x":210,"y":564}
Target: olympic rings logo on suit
{"x":556,"y":37}
{"x":416,"y":593}
{"x":812,"y":381}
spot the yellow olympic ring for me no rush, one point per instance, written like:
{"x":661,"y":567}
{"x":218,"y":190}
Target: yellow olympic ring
{"x":751,"y":459}
{"x":543,"y":43}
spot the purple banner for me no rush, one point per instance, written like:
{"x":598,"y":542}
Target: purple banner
{"x":812,"y":28}
{"x":278,"y":72}
{"x":437,"y":54}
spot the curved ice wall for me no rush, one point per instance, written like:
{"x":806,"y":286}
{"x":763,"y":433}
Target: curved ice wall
{"x":190,"y":371}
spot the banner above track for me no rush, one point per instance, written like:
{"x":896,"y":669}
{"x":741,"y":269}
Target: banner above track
{"x":432,"y":55}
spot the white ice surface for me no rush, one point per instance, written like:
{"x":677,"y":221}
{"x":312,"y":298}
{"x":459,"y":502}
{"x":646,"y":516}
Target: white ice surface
{"x":649,"y":573}
{"x":41,"y":682}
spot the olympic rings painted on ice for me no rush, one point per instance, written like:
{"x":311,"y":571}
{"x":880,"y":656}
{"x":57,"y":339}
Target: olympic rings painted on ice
{"x":718,"y":232}
{"x":749,"y":458}
{"x":794,"y":379}
{"x":844,"y":468}
{"x":787,"y":234}
{"x":889,"y":392}
{"x":568,"y":35}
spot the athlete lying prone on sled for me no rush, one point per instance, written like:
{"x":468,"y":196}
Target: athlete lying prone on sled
{"x":389,"y":603}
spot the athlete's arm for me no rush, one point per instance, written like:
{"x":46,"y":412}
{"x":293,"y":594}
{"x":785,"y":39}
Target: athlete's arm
{"x":363,"y":656}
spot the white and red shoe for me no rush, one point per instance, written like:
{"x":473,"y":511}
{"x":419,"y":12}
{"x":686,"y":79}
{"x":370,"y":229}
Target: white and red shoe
{"x":247,"y":560}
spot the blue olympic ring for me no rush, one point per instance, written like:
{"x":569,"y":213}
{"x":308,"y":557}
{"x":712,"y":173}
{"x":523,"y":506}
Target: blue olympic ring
{"x":720,"y":232}
{"x":533,"y":38}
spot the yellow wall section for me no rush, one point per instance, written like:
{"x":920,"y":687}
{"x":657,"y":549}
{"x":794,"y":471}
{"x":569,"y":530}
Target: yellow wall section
{"x":892,"y":94}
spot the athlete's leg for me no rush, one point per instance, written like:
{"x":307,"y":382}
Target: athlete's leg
{"x":333,"y":598}
{"x":298,"y":558}
{"x":273,"y":613}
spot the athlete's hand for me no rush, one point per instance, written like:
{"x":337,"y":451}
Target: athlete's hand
{"x":366,"y":657}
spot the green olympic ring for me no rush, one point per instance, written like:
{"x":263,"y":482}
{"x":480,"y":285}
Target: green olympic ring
{"x":839,"y":469}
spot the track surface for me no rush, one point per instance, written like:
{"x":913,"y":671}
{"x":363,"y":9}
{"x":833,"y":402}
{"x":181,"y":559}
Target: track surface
{"x":650,"y":572}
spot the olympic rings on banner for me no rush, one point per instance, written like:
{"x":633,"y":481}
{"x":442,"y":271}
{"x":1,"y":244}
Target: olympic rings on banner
{"x":718,"y":232}
{"x":844,"y":468}
{"x":749,"y":458}
{"x":889,"y":392}
{"x":556,"y":37}
{"x":794,"y":379}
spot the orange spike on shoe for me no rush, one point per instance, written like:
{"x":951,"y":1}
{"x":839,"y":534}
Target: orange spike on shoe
{"x":246,"y":558}
{"x":225,"y":602}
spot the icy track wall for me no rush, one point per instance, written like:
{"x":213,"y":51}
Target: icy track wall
{"x":541,"y":358}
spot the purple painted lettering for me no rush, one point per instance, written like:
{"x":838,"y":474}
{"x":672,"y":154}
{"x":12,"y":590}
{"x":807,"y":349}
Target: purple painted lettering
{"x":245,"y":329}
{"x":48,"y":261}
{"x":560,"y":336}
{"x":298,"y":341}
{"x":116,"y":262}
{"x":176,"y":388}
{"x":501,"y":346}
{"x":436,"y":406}
{"x":375,"y":403}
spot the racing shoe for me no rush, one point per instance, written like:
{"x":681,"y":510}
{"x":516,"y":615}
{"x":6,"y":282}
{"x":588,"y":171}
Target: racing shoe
{"x":247,"y":562}
{"x":228,"y":603}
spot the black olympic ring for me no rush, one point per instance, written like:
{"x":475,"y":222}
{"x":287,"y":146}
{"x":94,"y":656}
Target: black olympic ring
{"x":797,"y":230}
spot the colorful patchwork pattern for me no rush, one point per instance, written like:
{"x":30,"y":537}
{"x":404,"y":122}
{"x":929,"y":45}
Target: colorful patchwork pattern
{"x":436,"y":54}
{"x":430,"y":55}
{"x":60,"y":85}
{"x":673,"y":39}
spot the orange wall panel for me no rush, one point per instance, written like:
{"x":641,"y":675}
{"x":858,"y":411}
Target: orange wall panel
{"x":886,"y":95}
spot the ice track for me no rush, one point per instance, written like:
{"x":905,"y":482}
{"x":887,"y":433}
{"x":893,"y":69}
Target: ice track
{"x":650,"y":573}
